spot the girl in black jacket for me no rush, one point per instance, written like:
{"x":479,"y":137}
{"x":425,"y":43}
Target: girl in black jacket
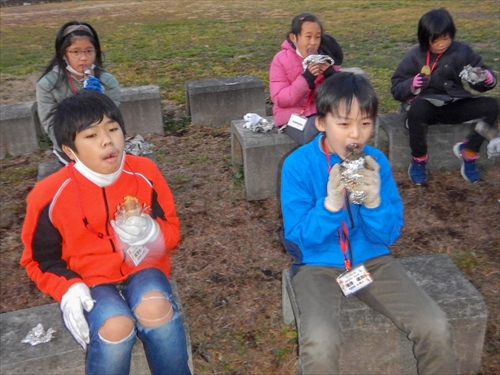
{"x":429,"y":83}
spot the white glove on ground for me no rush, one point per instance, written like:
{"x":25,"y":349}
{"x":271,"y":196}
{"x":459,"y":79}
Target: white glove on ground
{"x":72,"y":304}
{"x":334,"y":190}
{"x":369,"y":183}
{"x":136,"y":230}
{"x":493,"y":148}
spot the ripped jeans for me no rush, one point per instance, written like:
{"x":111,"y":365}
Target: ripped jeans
{"x":165,"y":345}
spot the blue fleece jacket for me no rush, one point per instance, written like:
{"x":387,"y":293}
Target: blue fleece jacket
{"x":313,"y":230}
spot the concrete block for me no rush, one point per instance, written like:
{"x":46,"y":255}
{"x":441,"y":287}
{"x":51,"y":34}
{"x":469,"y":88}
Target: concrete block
{"x":217,"y":101}
{"x":17,"y":130}
{"x":141,"y":109}
{"x":62,"y":355}
{"x":373,"y":345}
{"x":440,"y":140}
{"x":262,"y":155}
{"x":46,"y":168}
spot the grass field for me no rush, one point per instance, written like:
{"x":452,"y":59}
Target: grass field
{"x":171,"y":42}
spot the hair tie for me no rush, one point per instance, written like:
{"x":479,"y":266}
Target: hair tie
{"x":301,"y":18}
{"x":73,"y":28}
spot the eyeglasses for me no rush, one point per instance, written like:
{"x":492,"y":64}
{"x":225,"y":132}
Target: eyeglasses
{"x":77,"y":53}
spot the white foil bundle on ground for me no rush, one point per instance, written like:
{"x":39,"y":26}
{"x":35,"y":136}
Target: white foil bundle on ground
{"x":138,"y":146}
{"x":349,"y":173}
{"x":473,"y":75}
{"x":38,"y":335}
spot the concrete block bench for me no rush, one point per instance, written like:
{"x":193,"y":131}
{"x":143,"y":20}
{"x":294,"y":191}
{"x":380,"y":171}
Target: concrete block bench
{"x":261,"y":155}
{"x":19,"y":126}
{"x":17,"y":129}
{"x":141,"y":109}
{"x":217,"y":101}
{"x":62,"y":355}
{"x":373,"y":345}
{"x":440,"y":139}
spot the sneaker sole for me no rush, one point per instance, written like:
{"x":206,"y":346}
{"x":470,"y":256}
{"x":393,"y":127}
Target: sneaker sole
{"x":456,"y":151}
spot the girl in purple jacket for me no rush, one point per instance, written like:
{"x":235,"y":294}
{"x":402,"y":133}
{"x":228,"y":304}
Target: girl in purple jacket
{"x":307,"y":57}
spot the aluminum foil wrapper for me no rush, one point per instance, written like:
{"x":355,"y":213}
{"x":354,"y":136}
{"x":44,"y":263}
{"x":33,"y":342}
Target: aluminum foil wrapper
{"x":473,"y":75}
{"x":38,"y":335}
{"x":319,"y":59}
{"x":349,"y":174}
{"x":138,"y":146}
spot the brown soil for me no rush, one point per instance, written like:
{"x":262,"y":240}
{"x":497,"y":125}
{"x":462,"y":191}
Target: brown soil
{"x":228,"y":265}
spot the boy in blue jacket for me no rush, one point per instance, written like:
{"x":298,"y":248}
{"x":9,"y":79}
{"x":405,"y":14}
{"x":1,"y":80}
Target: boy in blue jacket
{"x":340,"y":244}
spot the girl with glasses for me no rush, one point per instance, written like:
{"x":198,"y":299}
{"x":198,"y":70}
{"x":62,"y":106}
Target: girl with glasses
{"x":77,"y":64}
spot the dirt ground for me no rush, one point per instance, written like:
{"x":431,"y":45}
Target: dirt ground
{"x":228,"y":265}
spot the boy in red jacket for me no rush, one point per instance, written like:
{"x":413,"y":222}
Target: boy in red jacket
{"x":97,"y":235}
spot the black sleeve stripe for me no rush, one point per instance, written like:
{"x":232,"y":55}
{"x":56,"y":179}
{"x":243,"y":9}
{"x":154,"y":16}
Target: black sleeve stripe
{"x":47,"y":247}
{"x":156,"y":210}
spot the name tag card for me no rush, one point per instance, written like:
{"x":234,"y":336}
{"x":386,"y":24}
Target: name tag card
{"x":137,"y":253}
{"x":353,"y":280}
{"x":297,"y":121}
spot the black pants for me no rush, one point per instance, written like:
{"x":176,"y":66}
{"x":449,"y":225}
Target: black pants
{"x":422,"y":113}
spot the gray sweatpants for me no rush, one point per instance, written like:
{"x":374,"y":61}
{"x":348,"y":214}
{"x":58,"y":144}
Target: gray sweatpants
{"x":392,"y":293}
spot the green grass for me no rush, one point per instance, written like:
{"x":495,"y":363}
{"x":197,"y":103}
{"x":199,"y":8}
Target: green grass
{"x":169,"y":43}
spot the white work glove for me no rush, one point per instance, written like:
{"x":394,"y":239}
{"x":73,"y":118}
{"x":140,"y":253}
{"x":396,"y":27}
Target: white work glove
{"x":251,"y":120}
{"x":136,"y":230}
{"x":72,"y":304}
{"x":334,"y":190}
{"x":369,"y":183}
{"x":493,"y":148}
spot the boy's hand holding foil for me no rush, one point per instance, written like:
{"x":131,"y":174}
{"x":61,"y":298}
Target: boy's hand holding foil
{"x":369,"y":183}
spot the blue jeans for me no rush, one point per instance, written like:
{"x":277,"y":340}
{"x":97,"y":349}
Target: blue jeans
{"x":165,"y":346}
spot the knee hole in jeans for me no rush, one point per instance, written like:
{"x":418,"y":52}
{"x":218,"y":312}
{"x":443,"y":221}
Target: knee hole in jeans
{"x":154,"y":309}
{"x":116,"y":328}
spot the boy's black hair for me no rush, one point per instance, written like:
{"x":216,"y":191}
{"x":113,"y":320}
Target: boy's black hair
{"x":64,"y":40}
{"x":343,"y":88}
{"x":297,"y":21}
{"x":432,"y":25}
{"x":78,"y":112}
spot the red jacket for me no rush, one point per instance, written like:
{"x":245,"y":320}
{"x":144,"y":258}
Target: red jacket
{"x":60,"y":250}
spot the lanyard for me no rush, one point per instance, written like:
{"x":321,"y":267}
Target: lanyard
{"x":309,"y":100}
{"x":71,"y":83}
{"x":428,"y":59}
{"x":344,"y":242}
{"x":345,"y":245}
{"x":84,"y":218}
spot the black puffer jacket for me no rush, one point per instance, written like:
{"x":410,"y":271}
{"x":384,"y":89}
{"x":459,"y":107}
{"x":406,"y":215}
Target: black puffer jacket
{"x":445,"y":83}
